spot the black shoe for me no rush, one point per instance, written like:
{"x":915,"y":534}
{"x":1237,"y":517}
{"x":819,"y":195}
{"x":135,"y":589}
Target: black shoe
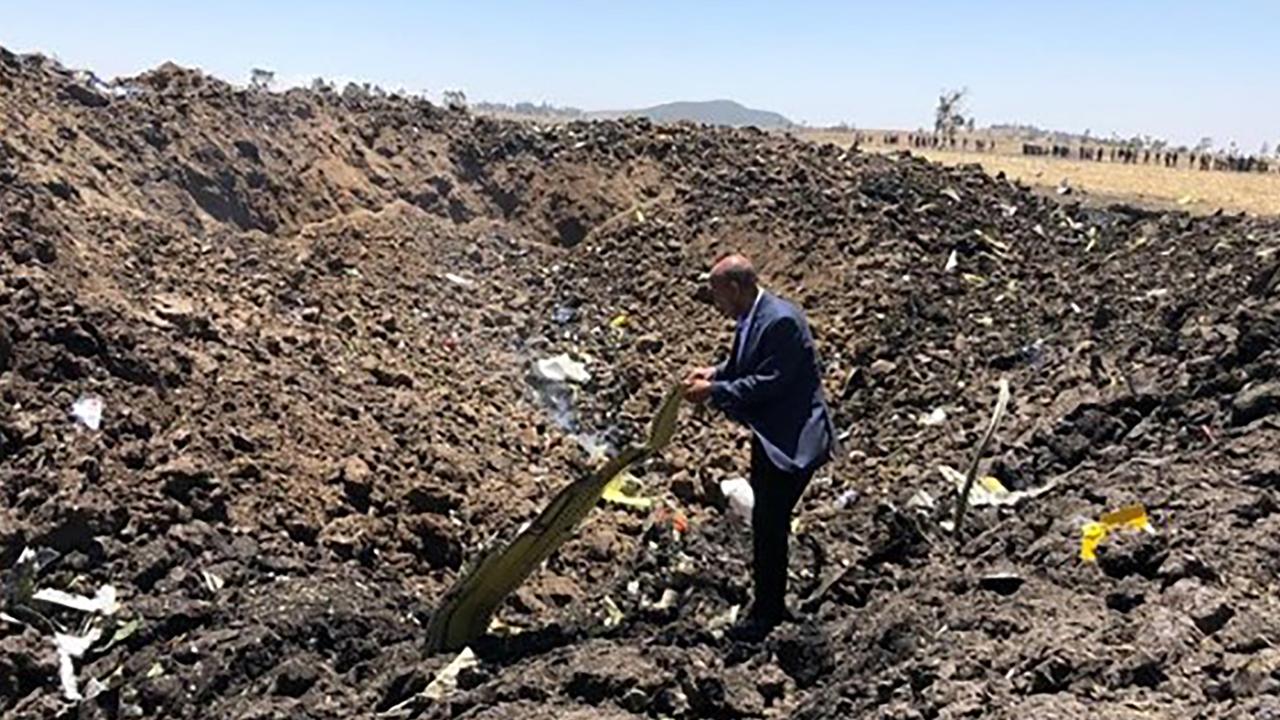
{"x":753,"y":629}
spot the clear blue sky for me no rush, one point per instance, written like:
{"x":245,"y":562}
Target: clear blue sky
{"x":1174,"y":69}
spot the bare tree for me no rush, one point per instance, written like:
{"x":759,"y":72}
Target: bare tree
{"x":260,"y":79}
{"x":454,"y":99}
{"x":1265,"y":150}
{"x":1204,"y":145}
{"x":949,"y":114}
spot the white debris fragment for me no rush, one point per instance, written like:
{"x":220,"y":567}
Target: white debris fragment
{"x":846,"y":499}
{"x":614,"y":616}
{"x":740,"y":496}
{"x":936,"y":417}
{"x":446,"y":681}
{"x":103,"y":602}
{"x":953,"y":261}
{"x":459,"y":280}
{"x":921,"y":500}
{"x":668,"y":600}
{"x":562,"y":368}
{"x":88,"y":410}
{"x":71,"y":647}
{"x":724,"y":619}
{"x":212,"y":582}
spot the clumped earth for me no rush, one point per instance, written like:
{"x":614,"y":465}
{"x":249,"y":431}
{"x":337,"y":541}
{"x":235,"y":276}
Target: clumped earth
{"x":312,"y":318}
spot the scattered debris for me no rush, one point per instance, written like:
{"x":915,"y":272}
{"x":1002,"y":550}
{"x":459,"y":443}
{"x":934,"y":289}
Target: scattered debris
{"x":88,"y":410}
{"x":613,"y":614}
{"x":740,"y":496}
{"x":564,"y":314}
{"x":1001,"y":583}
{"x":71,"y":648}
{"x":562,"y":368}
{"x":624,"y":490}
{"x":936,"y":417}
{"x":668,"y":600}
{"x":446,"y":681}
{"x":459,"y":280}
{"x":988,"y":491}
{"x":103,"y":602}
{"x":464,"y":613}
{"x":962,"y":500}
{"x":923,"y":501}
{"x":212,"y":582}
{"x":1092,"y":534}
{"x":847,"y":499}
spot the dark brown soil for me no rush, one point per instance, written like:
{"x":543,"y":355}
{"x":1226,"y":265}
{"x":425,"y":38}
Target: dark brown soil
{"x":299,"y":402}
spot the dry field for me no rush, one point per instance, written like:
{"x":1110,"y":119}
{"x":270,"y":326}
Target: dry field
{"x":1149,"y":185}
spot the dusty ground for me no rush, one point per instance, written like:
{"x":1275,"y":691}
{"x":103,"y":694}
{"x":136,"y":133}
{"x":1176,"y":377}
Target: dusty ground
{"x":301,"y":403}
{"x":1102,"y":183}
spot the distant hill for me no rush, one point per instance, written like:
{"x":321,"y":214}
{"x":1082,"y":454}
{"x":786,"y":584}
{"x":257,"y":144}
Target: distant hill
{"x":709,"y":112}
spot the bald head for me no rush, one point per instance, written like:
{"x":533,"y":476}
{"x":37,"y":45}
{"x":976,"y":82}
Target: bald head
{"x":733,"y":285}
{"x":735,"y":268}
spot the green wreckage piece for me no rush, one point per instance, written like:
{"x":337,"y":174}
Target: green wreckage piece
{"x":466,"y":609}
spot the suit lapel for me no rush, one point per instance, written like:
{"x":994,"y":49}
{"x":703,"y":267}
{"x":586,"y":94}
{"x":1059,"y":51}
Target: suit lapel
{"x":758,"y":321}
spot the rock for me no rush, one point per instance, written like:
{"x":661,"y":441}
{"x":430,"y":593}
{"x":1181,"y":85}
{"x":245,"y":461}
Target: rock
{"x":356,"y":483}
{"x":386,"y":377}
{"x":1208,"y":608}
{"x":1256,"y":674}
{"x":882,"y":368}
{"x":684,"y":487}
{"x":671,"y":702}
{"x":296,"y":678}
{"x":432,"y":499}
{"x":1001,"y":583}
{"x":348,"y":536}
{"x":635,"y":700}
{"x":804,"y":653}
{"x":435,"y":539}
{"x":1127,"y":596}
{"x":6,"y":346}
{"x":1254,"y":402}
{"x":771,"y":683}
{"x":85,"y":96}
{"x":1132,"y":553}
{"x":160,"y":695}
{"x":650,"y":344}
{"x":742,"y":697}
{"x":26,"y":661}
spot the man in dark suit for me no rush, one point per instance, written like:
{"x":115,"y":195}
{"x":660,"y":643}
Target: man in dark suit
{"x":770,"y":383}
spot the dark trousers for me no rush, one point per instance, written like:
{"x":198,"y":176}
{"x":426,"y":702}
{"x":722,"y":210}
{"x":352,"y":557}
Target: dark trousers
{"x":776,"y":494}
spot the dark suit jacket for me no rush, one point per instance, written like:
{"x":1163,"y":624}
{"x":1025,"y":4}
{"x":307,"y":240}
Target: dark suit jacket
{"x":774,"y":387}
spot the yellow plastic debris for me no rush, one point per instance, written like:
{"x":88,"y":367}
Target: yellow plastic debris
{"x":619,"y":321}
{"x":992,"y":485}
{"x":622,"y":491}
{"x":1131,"y":517}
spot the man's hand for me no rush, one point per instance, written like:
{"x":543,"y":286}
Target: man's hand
{"x":705,"y":373}
{"x":697,"y":390}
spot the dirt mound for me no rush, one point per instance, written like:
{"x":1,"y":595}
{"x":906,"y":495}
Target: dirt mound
{"x":311,"y":320}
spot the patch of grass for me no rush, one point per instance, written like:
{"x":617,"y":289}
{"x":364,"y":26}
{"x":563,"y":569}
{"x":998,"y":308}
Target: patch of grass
{"x":1150,"y":185}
